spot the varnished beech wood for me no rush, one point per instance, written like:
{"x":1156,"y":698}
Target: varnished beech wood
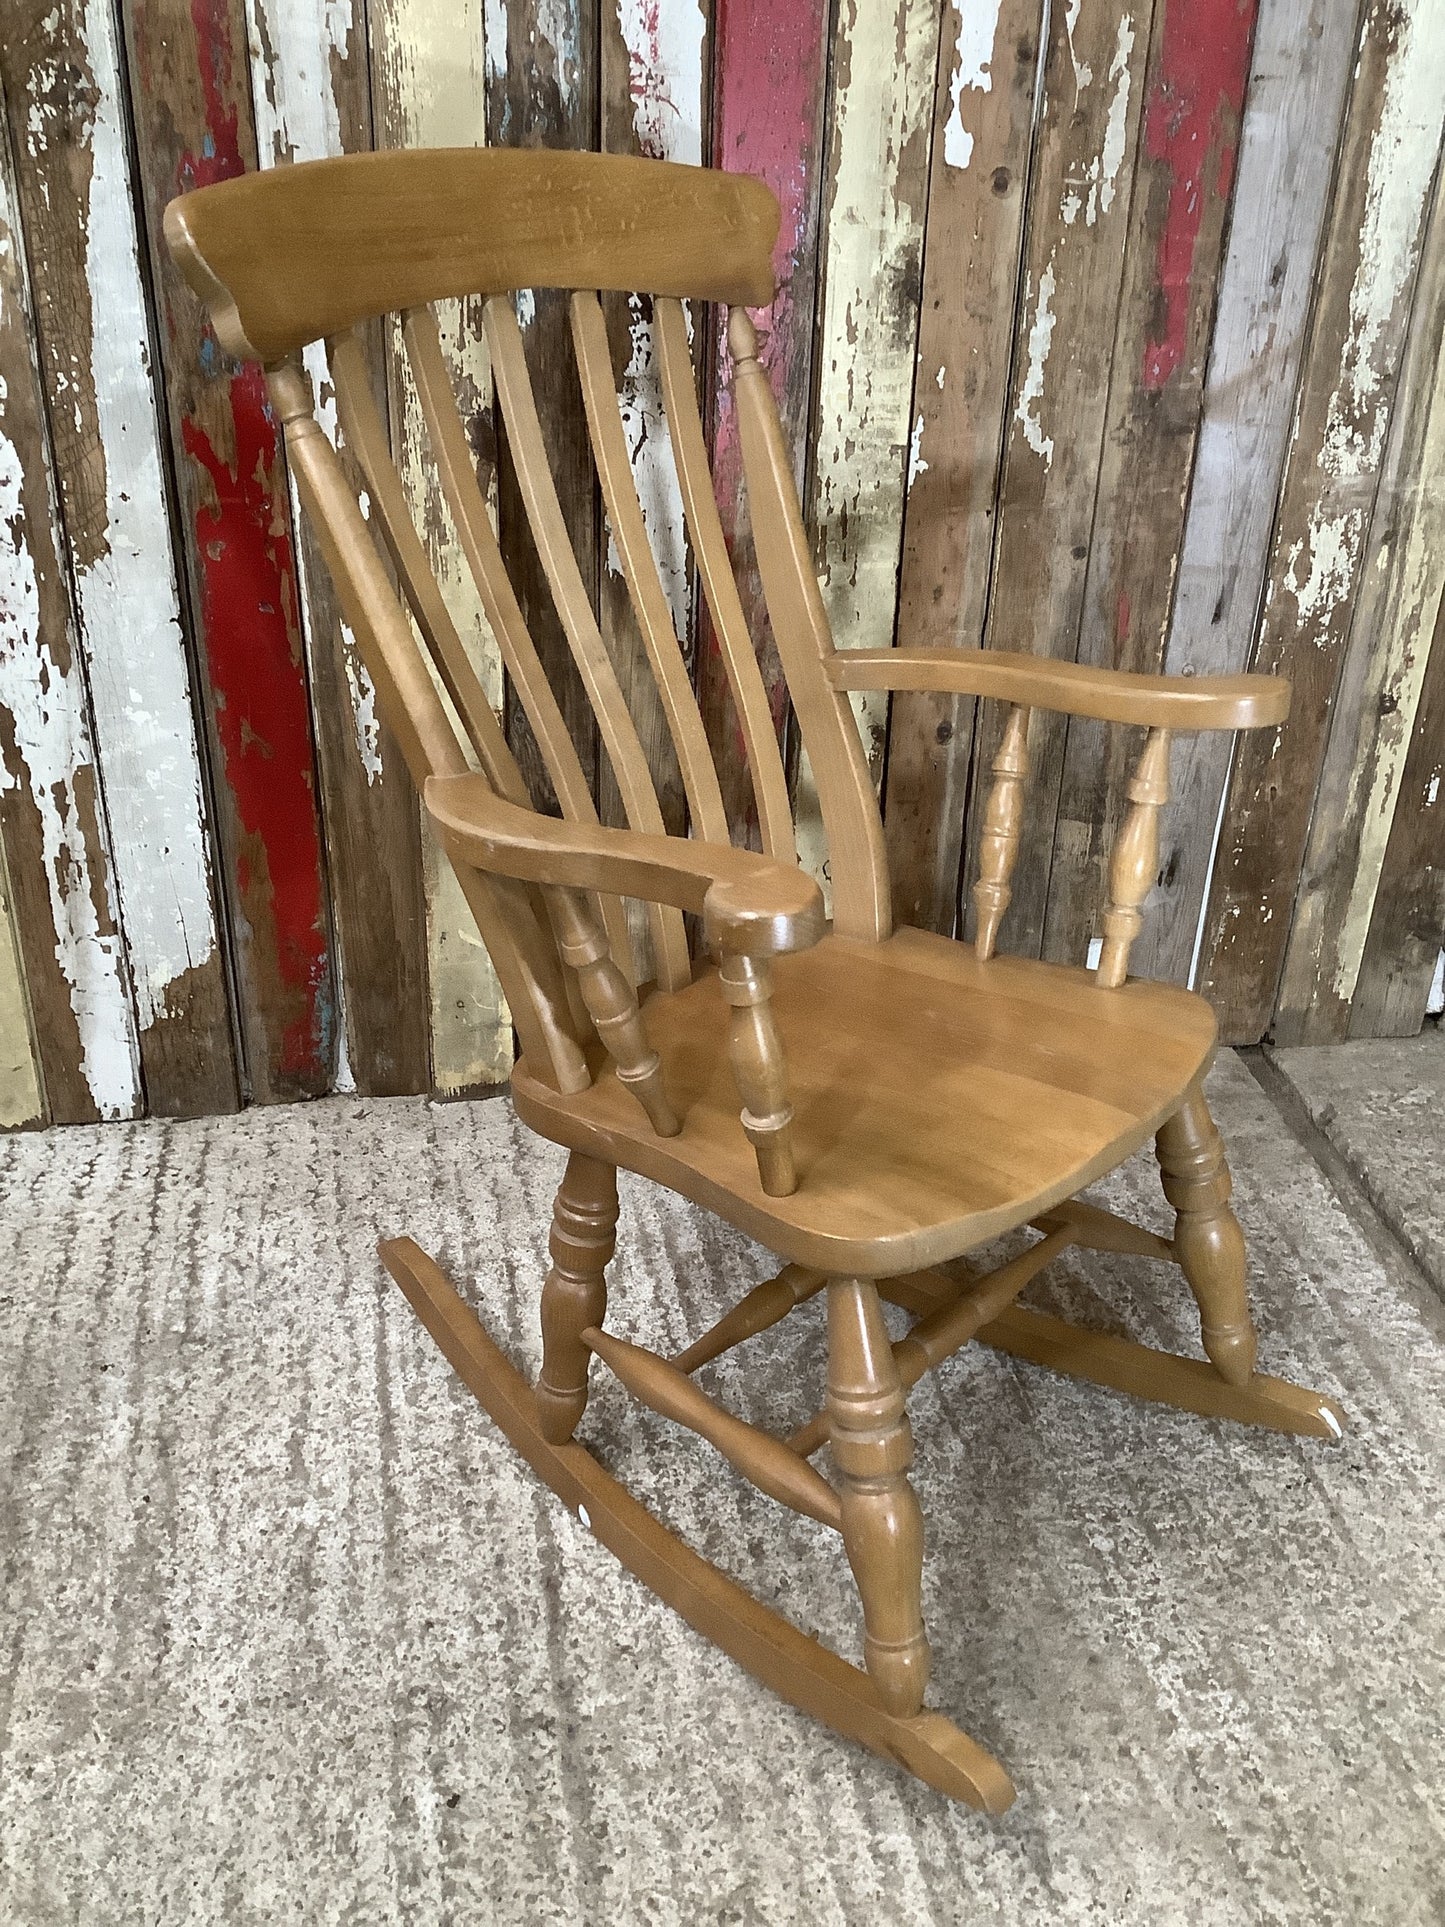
{"x":639,"y":567}
{"x":749,"y":904}
{"x":297,"y":253}
{"x":756,"y":1312}
{"x":1070,"y":688}
{"x":993,"y":1092}
{"x":574,"y":1294}
{"x":872,"y":1444}
{"x":611,"y":1003}
{"x":574,"y":606}
{"x":805,"y":644}
{"x":1208,"y":1242}
{"x":756,"y":1057}
{"x":1135,"y":862}
{"x":797,"y":1668}
{"x":453,"y":456}
{"x":745,"y":679}
{"x":999,"y":845}
{"x":870,"y":1104}
{"x":764,"y":1460}
{"x":1188,"y":1384}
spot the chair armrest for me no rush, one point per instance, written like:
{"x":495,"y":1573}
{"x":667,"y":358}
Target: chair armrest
{"x":1075,"y":688}
{"x":751,"y":906}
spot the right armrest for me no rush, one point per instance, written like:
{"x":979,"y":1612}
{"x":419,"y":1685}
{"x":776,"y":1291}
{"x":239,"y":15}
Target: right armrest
{"x":751,"y":906}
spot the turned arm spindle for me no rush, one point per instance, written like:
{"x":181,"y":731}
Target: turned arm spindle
{"x":612,"y":1005}
{"x":1135,"y":862}
{"x":756,"y":1055}
{"x":999,"y":844}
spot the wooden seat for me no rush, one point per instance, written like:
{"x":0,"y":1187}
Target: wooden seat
{"x":937,"y":1101}
{"x":868,"y":1102}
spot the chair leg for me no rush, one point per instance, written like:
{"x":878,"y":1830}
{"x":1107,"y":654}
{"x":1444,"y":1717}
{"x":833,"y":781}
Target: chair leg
{"x":872,"y":1445}
{"x":1207,"y":1239}
{"x":574,"y":1297}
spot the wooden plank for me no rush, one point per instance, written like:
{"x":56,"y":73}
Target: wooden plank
{"x":1080,"y":194}
{"x":57,"y":847}
{"x":428,"y":72}
{"x":542,"y":91}
{"x":1194,"y":94}
{"x":1299,"y":78}
{"x":1407,"y":924}
{"x":191,"y":109}
{"x":60,"y":70}
{"x":655,"y":102}
{"x":311,"y":91}
{"x":982,"y":138}
{"x":1390,"y":147}
{"x":21,"y":1099}
{"x":1402,"y":571}
{"x":769,"y":79}
{"x":884,"y":63}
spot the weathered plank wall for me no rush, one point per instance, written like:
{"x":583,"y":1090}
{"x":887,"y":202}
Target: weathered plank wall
{"x":1112,"y":330}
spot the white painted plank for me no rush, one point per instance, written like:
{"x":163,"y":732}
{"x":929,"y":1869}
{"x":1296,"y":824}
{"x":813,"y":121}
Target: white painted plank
{"x":884,"y":56}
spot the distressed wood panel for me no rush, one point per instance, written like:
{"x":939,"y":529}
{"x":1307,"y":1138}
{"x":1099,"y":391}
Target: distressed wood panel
{"x":654,"y":101}
{"x":191,"y":108}
{"x":978,"y":177}
{"x":21,"y":1099}
{"x":1402,"y":576}
{"x":1407,"y":926}
{"x":1391,"y":145}
{"x":1194,"y":93}
{"x":60,"y":71}
{"x":312,"y":98}
{"x":542,"y":91}
{"x":428,"y":71}
{"x":1298,"y":85}
{"x":58,"y":854}
{"x":769,"y":84}
{"x":884,"y":63}
{"x":1093,"y":90}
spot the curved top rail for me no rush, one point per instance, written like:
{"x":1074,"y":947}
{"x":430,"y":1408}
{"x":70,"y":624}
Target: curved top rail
{"x":291,"y":254}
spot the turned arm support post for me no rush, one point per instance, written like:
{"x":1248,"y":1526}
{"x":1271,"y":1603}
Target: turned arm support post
{"x":1002,"y":819}
{"x":612,"y":1005}
{"x":1135,"y":862}
{"x":756,"y":1055}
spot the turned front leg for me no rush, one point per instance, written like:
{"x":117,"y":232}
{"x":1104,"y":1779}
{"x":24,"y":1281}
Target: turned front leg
{"x":872,"y":1446}
{"x":574,"y":1297}
{"x":1207,"y":1239}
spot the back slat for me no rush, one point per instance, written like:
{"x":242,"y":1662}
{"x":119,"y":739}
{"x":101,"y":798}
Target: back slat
{"x":453,"y":456}
{"x":745,"y":680}
{"x":362,"y":425}
{"x":574,"y":606}
{"x":639,"y":566}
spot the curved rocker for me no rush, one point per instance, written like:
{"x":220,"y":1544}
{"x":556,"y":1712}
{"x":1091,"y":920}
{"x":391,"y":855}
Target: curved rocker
{"x":796,"y":1667}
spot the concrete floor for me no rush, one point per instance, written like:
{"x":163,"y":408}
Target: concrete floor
{"x":293,"y":1636}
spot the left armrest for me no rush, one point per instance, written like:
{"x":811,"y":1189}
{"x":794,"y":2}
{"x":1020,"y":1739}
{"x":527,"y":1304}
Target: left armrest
{"x":1074,"y":688}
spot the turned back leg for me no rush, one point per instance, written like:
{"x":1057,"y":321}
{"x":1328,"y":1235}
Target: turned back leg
{"x":574,"y":1297}
{"x":1207,"y":1239}
{"x":882,"y":1524}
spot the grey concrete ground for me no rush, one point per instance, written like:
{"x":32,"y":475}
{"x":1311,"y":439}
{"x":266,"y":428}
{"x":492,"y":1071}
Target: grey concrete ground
{"x":1382,"y":1105}
{"x":291,"y":1635}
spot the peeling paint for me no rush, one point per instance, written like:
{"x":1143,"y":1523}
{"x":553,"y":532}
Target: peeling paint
{"x":976,"y":29}
{"x":363,"y":709}
{"x":1031,"y":392}
{"x":917,"y":465}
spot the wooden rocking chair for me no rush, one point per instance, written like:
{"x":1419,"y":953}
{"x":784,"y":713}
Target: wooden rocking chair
{"x":869,"y":1103}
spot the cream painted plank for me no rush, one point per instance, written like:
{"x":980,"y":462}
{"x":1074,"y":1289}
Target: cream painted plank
{"x":876,"y":188}
{"x":1402,"y":579}
{"x":428,"y":69}
{"x":1299,"y":78}
{"x":63,"y":89}
{"x":61,"y":884}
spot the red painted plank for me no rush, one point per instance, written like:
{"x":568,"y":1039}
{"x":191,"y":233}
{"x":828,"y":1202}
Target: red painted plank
{"x":769,"y":72}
